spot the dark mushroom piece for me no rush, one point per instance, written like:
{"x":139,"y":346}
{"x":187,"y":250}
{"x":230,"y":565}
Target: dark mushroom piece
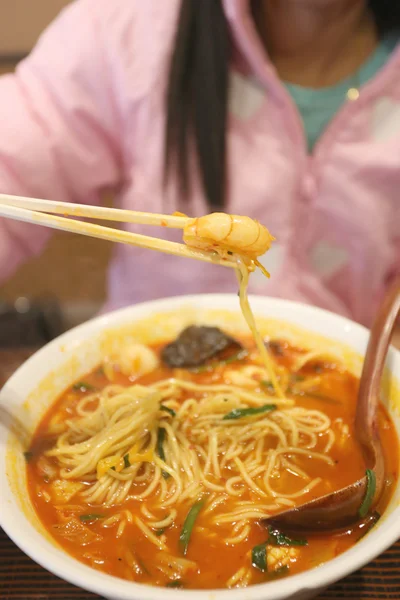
{"x":195,"y":345}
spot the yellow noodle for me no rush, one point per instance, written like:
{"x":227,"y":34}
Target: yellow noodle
{"x":240,"y":579}
{"x":330,"y":442}
{"x":149,"y":535}
{"x":121,"y":529}
{"x":146,"y":513}
{"x":252,"y":398}
{"x":202,"y":452}
{"x":242,"y":531}
{"x":214,"y":502}
{"x":248,"y":479}
{"x":291,"y":468}
{"x":314,"y":356}
{"x":174,"y":566}
{"x":243,"y":277}
{"x":163,"y":523}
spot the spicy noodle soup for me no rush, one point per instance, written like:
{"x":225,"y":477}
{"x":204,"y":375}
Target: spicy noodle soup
{"x":159,"y":467}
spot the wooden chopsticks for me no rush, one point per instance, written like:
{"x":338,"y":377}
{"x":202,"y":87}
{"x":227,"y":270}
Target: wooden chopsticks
{"x":31,"y":210}
{"x":94,"y":212}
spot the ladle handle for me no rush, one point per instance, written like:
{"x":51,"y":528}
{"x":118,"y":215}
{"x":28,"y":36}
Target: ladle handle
{"x":374,"y":363}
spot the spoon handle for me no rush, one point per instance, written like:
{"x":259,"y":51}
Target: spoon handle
{"x":374,"y":363}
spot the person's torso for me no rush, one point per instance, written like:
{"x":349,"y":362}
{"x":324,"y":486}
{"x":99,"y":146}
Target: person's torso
{"x":335,"y":214}
{"x":317,"y":107}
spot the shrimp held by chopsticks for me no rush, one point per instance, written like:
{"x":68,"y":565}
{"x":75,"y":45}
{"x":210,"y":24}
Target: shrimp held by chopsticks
{"x":230,"y":233}
{"x":217,"y":238}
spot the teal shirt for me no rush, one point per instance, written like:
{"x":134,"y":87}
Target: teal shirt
{"x":317,"y":107}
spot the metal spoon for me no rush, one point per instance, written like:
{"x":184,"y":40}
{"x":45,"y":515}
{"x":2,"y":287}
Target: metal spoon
{"x":342,"y":508}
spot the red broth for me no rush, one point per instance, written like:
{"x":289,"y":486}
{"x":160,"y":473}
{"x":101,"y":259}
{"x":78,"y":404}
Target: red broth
{"x":132,"y":556}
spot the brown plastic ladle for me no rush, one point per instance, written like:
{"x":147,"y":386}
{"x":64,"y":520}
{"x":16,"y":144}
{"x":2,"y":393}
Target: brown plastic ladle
{"x":341,"y":509}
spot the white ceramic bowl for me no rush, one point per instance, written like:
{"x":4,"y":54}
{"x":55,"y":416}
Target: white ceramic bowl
{"x":41,"y":379}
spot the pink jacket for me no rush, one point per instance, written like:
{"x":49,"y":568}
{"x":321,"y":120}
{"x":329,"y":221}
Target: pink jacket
{"x":86,"y":112}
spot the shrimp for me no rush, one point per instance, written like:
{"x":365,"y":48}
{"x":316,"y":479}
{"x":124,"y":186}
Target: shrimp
{"x":232,"y":233}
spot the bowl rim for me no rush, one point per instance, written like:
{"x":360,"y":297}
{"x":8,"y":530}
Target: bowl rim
{"x":57,"y":561}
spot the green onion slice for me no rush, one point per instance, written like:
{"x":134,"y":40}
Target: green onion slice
{"x":170,"y":411}
{"x":239,"y":413}
{"x":269,"y":385}
{"x":175,"y":584}
{"x":238,"y":356}
{"x":160,"y":532}
{"x":142,"y":566}
{"x":82,"y":386}
{"x":369,"y":494}
{"x":90,"y":517}
{"x":277,"y":538}
{"x":314,"y":395}
{"x":296,"y":378}
{"x":160,"y":448}
{"x":241,"y":355}
{"x":188,"y":525}
{"x":259,"y":557}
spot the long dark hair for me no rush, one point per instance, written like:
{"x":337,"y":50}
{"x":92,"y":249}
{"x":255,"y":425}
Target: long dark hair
{"x":197,"y":95}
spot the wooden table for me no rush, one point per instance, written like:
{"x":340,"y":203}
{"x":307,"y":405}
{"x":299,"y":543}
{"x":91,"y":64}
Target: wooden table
{"x":22,"y":579}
